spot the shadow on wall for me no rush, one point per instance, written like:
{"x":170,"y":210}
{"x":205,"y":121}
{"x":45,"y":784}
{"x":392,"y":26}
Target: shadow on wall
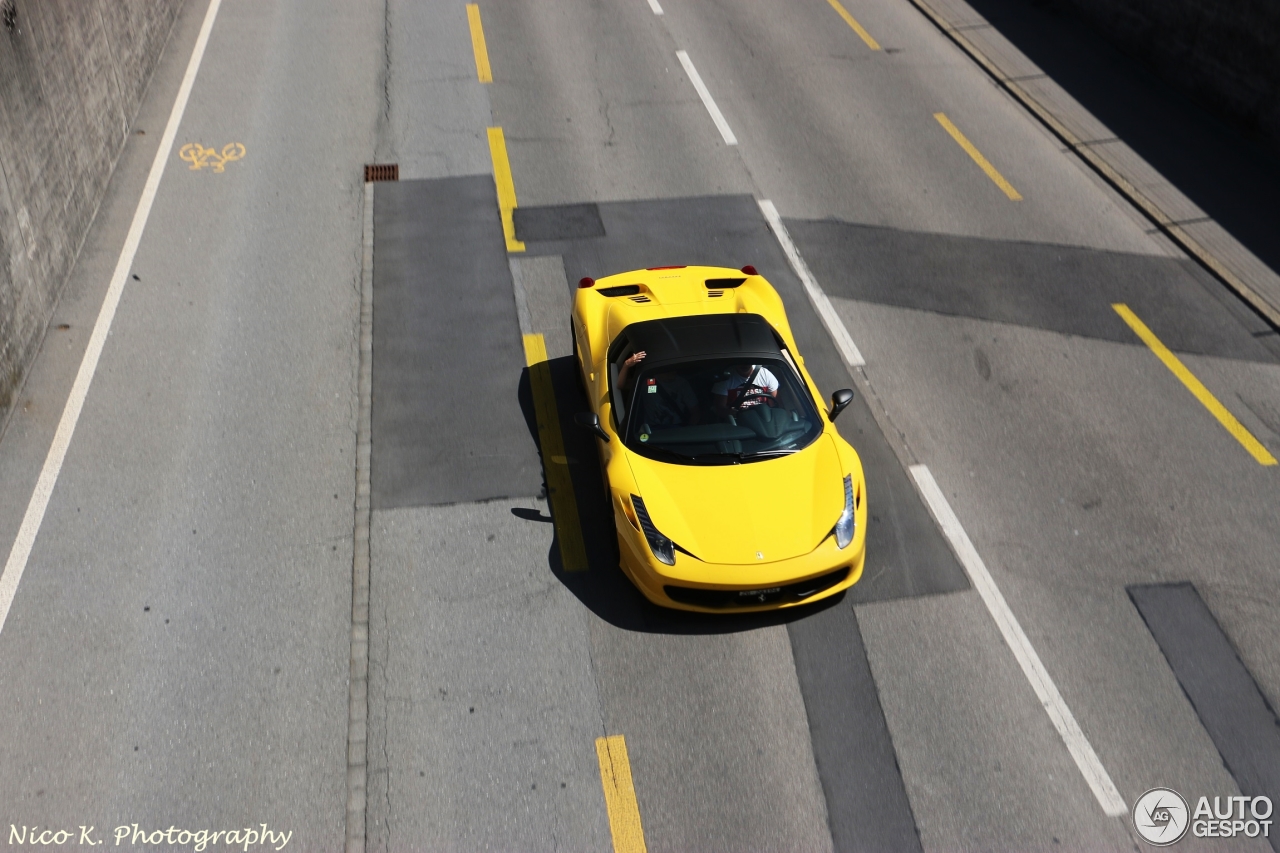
{"x":1229,"y":169}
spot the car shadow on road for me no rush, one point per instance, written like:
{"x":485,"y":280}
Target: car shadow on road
{"x":602,"y":587}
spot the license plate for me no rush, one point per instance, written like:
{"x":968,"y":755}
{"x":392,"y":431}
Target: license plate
{"x":759,"y":593}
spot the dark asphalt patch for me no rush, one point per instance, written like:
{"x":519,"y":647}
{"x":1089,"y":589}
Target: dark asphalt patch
{"x":560,"y":222}
{"x":1058,"y":288}
{"x":447,"y":350}
{"x":1238,"y":718}
{"x":867,"y":804}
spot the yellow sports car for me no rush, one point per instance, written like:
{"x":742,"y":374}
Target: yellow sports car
{"x":730,"y":487}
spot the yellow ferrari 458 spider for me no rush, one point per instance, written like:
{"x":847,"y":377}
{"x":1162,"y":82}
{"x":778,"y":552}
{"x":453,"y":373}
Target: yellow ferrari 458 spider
{"x":730,"y":487}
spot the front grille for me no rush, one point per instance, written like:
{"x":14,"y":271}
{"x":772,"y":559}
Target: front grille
{"x":727,"y":599}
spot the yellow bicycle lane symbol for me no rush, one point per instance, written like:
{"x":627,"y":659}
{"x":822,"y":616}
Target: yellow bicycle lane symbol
{"x":199,"y":157}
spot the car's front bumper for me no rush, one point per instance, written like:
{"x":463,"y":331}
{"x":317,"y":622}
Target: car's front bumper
{"x":692,"y":584}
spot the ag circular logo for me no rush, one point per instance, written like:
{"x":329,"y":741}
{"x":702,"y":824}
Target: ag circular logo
{"x":1161,"y":817}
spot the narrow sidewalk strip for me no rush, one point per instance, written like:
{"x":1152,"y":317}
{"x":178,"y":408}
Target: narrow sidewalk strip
{"x":852,"y":22}
{"x":1046,"y":691}
{"x":620,"y":795}
{"x":1196,"y":387}
{"x":358,"y":674}
{"x":976,"y":155}
{"x":34,"y":516}
{"x":835,"y":326}
{"x":707,"y":100}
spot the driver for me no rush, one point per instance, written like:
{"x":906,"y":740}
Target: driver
{"x":748,"y":385}
{"x":667,"y":399}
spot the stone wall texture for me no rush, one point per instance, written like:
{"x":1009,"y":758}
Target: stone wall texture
{"x":1224,"y":53}
{"x":72,"y":76}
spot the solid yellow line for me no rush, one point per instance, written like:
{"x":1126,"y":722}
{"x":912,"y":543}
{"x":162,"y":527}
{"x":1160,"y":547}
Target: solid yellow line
{"x":977,"y":157}
{"x":620,"y":795}
{"x":506,"y":187}
{"x":477,"y":44}
{"x":564,"y":506}
{"x":1194,"y":385}
{"x":857,"y":28}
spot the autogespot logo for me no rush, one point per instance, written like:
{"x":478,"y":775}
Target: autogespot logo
{"x":1160,"y":816}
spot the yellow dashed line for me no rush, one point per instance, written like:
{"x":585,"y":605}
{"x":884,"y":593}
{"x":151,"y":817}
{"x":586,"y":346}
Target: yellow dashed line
{"x":620,"y":795}
{"x":506,"y":187}
{"x":857,"y":28}
{"x":1197,"y":388}
{"x":977,"y":157}
{"x":477,"y":44}
{"x":555,"y":464}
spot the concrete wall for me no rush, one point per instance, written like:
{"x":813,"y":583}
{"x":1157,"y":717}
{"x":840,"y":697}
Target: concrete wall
{"x":1224,"y":53}
{"x":72,"y":76}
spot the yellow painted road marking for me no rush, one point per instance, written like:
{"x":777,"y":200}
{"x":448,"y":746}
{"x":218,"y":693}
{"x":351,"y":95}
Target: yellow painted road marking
{"x":977,"y":157}
{"x":857,"y":28}
{"x":477,"y":44}
{"x":1194,"y":385}
{"x":555,"y":464}
{"x":199,"y":156}
{"x":620,"y":795}
{"x":506,"y":187}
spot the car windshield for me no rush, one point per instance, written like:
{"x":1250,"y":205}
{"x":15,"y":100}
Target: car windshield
{"x":718,"y":412}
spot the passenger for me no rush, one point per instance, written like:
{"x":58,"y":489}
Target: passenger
{"x":748,"y":385}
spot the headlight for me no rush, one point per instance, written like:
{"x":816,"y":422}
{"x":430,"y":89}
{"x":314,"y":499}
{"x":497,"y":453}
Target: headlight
{"x":662,"y":547}
{"x":845,"y":526}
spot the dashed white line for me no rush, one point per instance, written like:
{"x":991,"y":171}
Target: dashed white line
{"x":707,"y":100}
{"x":653,"y":4}
{"x":31,"y":521}
{"x":1054,"y":705}
{"x":835,"y":326}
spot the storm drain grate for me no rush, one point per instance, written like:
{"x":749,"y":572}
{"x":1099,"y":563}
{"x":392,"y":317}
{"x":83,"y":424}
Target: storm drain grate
{"x":382,"y":172}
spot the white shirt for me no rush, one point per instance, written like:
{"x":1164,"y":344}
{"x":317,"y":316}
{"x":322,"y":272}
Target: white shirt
{"x":735,"y":387}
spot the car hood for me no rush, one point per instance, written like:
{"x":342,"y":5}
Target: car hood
{"x":748,"y":514}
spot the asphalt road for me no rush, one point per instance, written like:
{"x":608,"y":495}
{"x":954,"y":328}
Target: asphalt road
{"x":176,"y":654}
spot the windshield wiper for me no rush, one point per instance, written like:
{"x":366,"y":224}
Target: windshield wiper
{"x":761,"y":454}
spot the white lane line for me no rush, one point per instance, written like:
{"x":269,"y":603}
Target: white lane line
{"x":17,"y":562}
{"x":821,"y":304}
{"x":707,"y":100}
{"x":653,"y":4}
{"x":1054,"y":705}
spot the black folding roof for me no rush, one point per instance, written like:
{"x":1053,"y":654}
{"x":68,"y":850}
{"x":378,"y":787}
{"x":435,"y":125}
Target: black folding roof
{"x":703,"y":336}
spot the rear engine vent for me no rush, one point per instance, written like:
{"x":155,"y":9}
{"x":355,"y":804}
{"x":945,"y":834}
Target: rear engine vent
{"x":712,"y":294}
{"x":718,"y":283}
{"x":641,"y":299}
{"x":382,"y":172}
{"x":620,"y":290}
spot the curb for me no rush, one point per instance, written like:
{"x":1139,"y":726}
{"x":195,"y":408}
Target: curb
{"x":358,"y":679}
{"x":1229,"y":262}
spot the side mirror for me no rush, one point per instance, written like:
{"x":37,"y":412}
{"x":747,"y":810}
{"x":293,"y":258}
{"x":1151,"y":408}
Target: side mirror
{"x":590,"y":421}
{"x":840,"y":401}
